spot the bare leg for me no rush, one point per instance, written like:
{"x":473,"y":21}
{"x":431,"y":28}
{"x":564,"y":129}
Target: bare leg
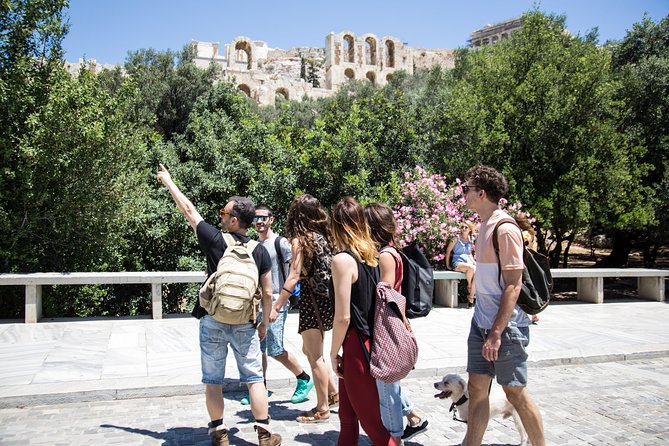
{"x":529,"y":413}
{"x":469,"y":271}
{"x":312,"y":345}
{"x":479,"y":408}
{"x":213,"y":395}
{"x":289,"y":361}
{"x":258,"y":397}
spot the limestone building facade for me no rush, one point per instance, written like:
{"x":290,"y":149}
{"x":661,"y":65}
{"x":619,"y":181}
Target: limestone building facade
{"x":348,"y":57}
{"x":491,"y":34}
{"x":266,"y":74}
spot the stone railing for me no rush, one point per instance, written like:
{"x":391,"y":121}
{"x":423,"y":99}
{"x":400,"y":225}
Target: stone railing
{"x":33,"y":283}
{"x":590,"y":284}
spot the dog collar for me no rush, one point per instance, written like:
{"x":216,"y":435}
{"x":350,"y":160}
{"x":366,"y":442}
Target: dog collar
{"x":460,"y":402}
{"x":455,"y":405}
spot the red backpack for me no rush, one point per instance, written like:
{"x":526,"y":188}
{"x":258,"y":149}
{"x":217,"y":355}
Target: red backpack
{"x":394,"y":349}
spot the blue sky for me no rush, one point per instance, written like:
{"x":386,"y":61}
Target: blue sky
{"x":106,"y":30}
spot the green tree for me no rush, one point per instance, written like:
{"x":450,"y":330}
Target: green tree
{"x":541,"y":107}
{"x":169,"y":84}
{"x":641,"y":63}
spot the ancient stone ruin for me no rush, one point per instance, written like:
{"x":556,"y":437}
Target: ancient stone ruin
{"x":267,"y":75}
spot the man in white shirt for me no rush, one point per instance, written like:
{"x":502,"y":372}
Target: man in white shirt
{"x":500,"y":329}
{"x":272,"y":344}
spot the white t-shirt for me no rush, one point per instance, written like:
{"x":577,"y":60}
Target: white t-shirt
{"x":489,"y":283}
{"x":277,"y":283}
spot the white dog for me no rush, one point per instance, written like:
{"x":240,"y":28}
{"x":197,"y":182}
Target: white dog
{"x":455,"y":387}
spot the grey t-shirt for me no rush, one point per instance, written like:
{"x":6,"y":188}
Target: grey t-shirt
{"x":277,"y":282}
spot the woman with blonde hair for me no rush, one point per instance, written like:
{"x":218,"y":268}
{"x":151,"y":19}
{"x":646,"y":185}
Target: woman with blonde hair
{"x":463,"y":260}
{"x":307,"y":227}
{"x":355,"y":274}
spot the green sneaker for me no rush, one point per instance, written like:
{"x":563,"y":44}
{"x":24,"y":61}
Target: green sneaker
{"x":302,"y":390}
{"x":246,"y":400}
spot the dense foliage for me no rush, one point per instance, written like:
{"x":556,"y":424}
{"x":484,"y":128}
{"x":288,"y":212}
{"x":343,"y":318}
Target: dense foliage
{"x":580,"y":130}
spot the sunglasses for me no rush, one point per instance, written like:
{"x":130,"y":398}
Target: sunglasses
{"x":222,"y":213}
{"x":466,"y":189}
{"x":260,"y":218}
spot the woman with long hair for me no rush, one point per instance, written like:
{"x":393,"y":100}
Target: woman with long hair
{"x":307,"y":227}
{"x":355,"y":274}
{"x":394,"y":402}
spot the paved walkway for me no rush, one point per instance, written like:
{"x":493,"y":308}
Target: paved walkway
{"x":599,"y":404}
{"x":609,"y":360}
{"x":126,"y":358}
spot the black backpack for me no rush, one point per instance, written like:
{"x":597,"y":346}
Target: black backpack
{"x":417,"y":282}
{"x":535,"y":292}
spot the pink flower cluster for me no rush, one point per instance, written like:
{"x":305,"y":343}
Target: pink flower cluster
{"x":431,"y":213}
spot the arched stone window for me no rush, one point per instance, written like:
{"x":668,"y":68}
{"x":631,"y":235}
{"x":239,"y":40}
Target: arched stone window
{"x":349,"y":48}
{"x":370,"y":51}
{"x":349,"y":73}
{"x":244,"y":53}
{"x":494,"y":39}
{"x":371,"y":77}
{"x":505,"y":36}
{"x":282,"y":93}
{"x":390,"y":54}
{"x":244,"y":89}
{"x":389,"y":77}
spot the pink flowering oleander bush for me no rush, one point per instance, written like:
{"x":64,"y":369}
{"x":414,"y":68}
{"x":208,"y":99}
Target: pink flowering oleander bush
{"x":431,"y":213}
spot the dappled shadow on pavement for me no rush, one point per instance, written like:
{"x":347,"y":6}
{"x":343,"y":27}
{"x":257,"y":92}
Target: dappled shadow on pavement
{"x":181,"y":436}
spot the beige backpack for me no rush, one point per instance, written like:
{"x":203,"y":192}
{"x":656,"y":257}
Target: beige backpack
{"x":231,"y":294}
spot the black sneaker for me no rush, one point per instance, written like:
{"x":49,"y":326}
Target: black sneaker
{"x":411,"y":431}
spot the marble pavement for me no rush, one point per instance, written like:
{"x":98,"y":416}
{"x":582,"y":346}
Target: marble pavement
{"x":106,"y":359}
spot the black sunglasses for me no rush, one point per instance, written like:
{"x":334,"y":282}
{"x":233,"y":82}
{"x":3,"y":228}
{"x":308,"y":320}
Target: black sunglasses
{"x":466,"y":189}
{"x":261,"y":218}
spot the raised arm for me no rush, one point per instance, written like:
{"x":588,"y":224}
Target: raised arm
{"x":183,"y":203}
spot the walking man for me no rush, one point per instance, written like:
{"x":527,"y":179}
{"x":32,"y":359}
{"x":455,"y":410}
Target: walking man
{"x":215,"y":337}
{"x":272,"y":345}
{"x":500,"y":329}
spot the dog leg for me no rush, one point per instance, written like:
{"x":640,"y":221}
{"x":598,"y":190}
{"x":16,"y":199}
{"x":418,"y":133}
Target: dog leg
{"x":520,"y":428}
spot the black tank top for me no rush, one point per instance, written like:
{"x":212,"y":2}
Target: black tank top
{"x":363,"y":297}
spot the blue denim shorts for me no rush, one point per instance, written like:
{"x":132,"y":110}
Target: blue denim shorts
{"x":510,"y":369}
{"x":273,"y":342}
{"x":214,"y":340}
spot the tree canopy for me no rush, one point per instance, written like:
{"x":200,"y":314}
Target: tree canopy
{"x":579,"y":130}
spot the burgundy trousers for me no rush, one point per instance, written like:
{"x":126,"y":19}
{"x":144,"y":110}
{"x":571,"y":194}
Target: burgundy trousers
{"x":358,"y":397}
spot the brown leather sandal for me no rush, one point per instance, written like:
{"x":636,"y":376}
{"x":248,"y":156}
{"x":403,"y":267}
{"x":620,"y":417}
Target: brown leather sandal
{"x":333,"y":399}
{"x":314,"y":416}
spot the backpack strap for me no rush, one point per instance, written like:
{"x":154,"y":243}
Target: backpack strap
{"x":495,"y":243}
{"x":282,"y":261}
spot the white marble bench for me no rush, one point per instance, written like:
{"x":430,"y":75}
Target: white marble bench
{"x":33,"y":283}
{"x":590,"y":281}
{"x":446,"y":287}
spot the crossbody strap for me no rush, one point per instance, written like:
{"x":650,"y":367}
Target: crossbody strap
{"x":495,"y":244}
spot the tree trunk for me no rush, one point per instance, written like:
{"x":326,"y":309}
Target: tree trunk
{"x":565,"y":256}
{"x":554,"y":254}
{"x":621,"y":250}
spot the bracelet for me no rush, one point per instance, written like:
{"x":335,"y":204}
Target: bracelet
{"x":287,"y":290}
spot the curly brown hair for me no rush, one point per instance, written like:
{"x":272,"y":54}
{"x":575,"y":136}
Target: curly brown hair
{"x":307,"y":217}
{"x":490,"y":180}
